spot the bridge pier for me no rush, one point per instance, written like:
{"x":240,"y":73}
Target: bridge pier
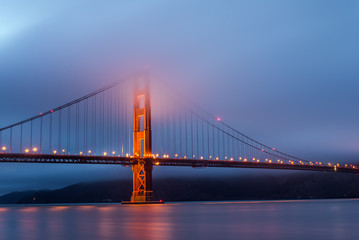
{"x":142,"y":181}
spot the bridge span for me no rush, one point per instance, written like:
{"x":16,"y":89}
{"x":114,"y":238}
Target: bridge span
{"x":124,"y":124}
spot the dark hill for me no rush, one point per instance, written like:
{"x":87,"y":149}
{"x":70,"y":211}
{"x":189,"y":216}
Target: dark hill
{"x":256,"y":187}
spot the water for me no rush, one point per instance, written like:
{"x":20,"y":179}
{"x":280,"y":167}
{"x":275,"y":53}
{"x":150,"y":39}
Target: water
{"x":312,"y":219}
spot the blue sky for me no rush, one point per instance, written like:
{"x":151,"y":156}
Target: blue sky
{"x":283,"y":72}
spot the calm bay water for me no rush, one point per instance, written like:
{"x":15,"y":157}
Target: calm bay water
{"x":312,"y":219}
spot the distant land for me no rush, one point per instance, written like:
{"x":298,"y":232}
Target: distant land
{"x":216,"y":188}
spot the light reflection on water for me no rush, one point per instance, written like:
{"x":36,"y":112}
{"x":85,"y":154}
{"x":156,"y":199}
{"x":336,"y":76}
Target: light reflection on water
{"x":309,"y":219}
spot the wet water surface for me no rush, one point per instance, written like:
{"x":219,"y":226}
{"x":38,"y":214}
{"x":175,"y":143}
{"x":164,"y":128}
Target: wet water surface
{"x":305,"y":219}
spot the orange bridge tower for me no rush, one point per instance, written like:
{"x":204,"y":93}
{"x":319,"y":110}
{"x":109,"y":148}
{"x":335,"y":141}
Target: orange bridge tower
{"x":142,"y":142}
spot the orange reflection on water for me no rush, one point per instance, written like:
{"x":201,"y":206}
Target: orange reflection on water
{"x":58,"y":208}
{"x":86,"y":207}
{"x":106,"y":209}
{"x":3,"y":209}
{"x":149,"y":222}
{"x":29,"y":209}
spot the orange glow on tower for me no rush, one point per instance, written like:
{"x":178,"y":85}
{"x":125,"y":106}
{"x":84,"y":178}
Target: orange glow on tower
{"x":142,"y":171}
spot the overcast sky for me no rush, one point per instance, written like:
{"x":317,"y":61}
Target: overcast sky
{"x":283,"y":72}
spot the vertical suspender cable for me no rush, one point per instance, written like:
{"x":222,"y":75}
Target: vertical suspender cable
{"x":191,"y":136}
{"x":50,"y":134}
{"x":59,"y":133}
{"x":197,"y":148}
{"x":208,"y":140}
{"x":180,"y":128}
{"x":122,"y":126}
{"x":94,"y":142}
{"x":68,"y":129}
{"x":213,"y":145}
{"x":218,"y":142}
{"x":21,"y":138}
{"x":85,"y":125}
{"x":108,"y":122}
{"x":30,"y":136}
{"x":168,"y":145}
{"x":40,"y":135}
{"x":202,"y":138}
{"x":223,"y":144}
{"x":10,"y":140}
{"x":186,"y":131}
{"x":77,"y":128}
{"x":102,"y":122}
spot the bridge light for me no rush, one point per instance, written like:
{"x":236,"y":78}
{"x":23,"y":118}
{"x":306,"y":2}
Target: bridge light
{"x":34,"y":149}
{"x":273,"y":149}
{"x":201,"y":157}
{"x":113,"y":153}
{"x":3,"y":148}
{"x":105,"y":153}
{"x":63,"y":150}
{"x":262,"y":150}
{"x":89,"y":151}
{"x":245,"y":159}
{"x":216,"y":158}
{"x":51,"y":111}
{"x":185,"y":157}
{"x":157,"y":163}
{"x":270,"y":161}
{"x":218,"y":119}
{"x":231,"y":159}
{"x":80,"y":153}
{"x":54,"y":151}
{"x":27,"y":150}
{"x":176,"y":155}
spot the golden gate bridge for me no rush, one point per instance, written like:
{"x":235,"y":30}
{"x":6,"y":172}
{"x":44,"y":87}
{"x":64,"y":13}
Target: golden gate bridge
{"x":124,"y":124}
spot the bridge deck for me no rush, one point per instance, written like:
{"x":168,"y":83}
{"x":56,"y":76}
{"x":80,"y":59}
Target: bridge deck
{"x":127,"y":161}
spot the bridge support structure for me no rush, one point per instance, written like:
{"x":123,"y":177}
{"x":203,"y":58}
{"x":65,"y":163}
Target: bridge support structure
{"x":142,"y":142}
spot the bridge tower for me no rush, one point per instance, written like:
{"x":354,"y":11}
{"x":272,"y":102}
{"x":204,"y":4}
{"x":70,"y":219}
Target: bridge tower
{"x":142,"y":141}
